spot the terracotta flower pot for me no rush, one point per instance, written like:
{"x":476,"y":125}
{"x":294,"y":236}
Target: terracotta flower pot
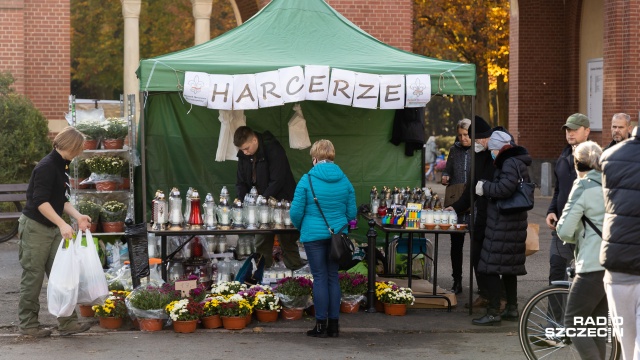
{"x":90,"y":144}
{"x":267,"y":315}
{"x":94,"y":227}
{"x":211,"y":322}
{"x":112,"y":144}
{"x":110,"y":227}
{"x":395,"y":309}
{"x":86,"y":311}
{"x":247,"y":319}
{"x":110,"y":322}
{"x":349,"y":308}
{"x":107,"y":186}
{"x":379,"y":305}
{"x":234,"y":322}
{"x":186,"y":326}
{"x":125,"y":184}
{"x":291,"y":314}
{"x":150,"y":324}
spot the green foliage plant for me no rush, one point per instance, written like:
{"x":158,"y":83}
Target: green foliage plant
{"x":23,"y":134}
{"x":80,"y":168}
{"x":115,"y":128}
{"x":113,"y":211}
{"x":104,"y":164}
{"x":88,"y":207}
{"x":91,"y":130}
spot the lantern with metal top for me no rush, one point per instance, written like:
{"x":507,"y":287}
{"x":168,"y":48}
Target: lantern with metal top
{"x":195,"y":216}
{"x":209,"y":206}
{"x":159,"y":211}
{"x":224,"y":214}
{"x":277,"y":215}
{"x":251,"y":212}
{"x":236,"y":214}
{"x":286,"y":213}
{"x":175,"y":209}
{"x":263,"y":213}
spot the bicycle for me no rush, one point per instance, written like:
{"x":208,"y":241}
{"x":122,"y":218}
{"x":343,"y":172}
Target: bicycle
{"x":541,"y":326}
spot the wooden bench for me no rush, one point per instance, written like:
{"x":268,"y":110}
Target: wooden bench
{"x":16,"y":193}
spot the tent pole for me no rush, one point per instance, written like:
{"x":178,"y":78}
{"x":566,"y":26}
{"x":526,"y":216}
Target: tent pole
{"x":424,"y":159}
{"x":472,"y":194}
{"x":143,"y":156}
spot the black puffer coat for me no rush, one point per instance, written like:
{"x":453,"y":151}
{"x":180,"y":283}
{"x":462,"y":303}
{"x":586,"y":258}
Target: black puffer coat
{"x":503,"y":249}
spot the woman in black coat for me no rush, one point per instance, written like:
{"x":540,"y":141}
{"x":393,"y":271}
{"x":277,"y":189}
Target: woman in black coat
{"x":503,"y":249}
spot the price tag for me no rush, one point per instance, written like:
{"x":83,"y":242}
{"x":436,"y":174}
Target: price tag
{"x":186,"y":286}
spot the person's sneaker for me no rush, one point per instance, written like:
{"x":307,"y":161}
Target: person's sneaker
{"x":75,"y":329}
{"x":36,"y":332}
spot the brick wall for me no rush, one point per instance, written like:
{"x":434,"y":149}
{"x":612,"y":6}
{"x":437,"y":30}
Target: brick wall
{"x":12,"y":41}
{"x":621,"y":64}
{"x":543,"y":74}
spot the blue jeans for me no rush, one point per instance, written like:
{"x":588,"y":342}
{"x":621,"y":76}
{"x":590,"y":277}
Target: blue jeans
{"x":326,"y":288}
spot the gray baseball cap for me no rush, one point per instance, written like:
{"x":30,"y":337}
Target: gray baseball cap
{"x":576,"y":120}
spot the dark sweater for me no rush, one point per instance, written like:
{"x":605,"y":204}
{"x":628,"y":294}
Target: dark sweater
{"x":49,"y":183}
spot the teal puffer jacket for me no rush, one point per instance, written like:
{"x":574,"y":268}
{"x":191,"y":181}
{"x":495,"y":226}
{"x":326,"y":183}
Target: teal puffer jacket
{"x":585,"y":199}
{"x":335,"y":195}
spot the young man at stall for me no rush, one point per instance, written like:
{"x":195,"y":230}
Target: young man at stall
{"x":263,"y":163}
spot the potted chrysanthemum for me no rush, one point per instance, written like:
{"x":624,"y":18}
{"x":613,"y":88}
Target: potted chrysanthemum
{"x":113,"y":311}
{"x":352,"y":286}
{"x":211,"y":312}
{"x":395,"y":298}
{"x":233,"y":311}
{"x":115,"y":130}
{"x":105,"y":172}
{"x":112,"y":216}
{"x":147,"y":305}
{"x":185,"y":314}
{"x":295,"y":295}
{"x":266,"y":306}
{"x":90,"y":208}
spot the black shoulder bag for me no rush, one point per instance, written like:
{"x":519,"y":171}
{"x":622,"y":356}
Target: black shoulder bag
{"x":586,"y":220}
{"x":342,"y":248}
{"x":521,"y":199}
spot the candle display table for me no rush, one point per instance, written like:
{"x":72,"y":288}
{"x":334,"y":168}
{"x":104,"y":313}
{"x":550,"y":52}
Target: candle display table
{"x":192,"y":233}
{"x":375,"y":223}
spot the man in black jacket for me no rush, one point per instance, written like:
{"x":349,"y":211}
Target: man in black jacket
{"x":620,"y":251}
{"x":263,"y":163}
{"x":620,"y":129}
{"x":577,"y":128}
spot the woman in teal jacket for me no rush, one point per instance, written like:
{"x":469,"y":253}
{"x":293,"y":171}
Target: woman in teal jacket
{"x":581,"y":224}
{"x":337,"y":199}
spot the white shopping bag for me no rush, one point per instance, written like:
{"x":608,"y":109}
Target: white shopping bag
{"x":62,"y":291}
{"x":92,"y":288}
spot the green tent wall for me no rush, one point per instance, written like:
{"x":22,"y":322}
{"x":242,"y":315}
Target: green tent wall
{"x":180,"y":140}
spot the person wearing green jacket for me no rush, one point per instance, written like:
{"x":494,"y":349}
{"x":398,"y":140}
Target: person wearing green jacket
{"x":581,"y":225}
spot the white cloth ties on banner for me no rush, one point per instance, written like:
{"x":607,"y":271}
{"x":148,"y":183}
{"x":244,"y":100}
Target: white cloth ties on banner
{"x":298,"y":133}
{"x":230,"y":120}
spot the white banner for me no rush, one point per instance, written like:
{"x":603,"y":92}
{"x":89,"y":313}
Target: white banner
{"x":221,"y":92}
{"x":366,"y":91}
{"x":196,"y":88}
{"x":244,"y":92}
{"x":292,"y":84}
{"x":316,"y":82}
{"x":418,"y":90}
{"x":341,"y":87}
{"x":269,"y":89}
{"x":392,"y":91}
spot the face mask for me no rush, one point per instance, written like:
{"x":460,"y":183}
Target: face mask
{"x":493,"y":156}
{"x":478,"y":148}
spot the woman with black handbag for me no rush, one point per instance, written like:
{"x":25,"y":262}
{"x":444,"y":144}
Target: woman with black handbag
{"x":324,"y":201}
{"x":503,"y":250}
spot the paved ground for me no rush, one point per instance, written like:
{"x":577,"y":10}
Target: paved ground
{"x":445,"y":335}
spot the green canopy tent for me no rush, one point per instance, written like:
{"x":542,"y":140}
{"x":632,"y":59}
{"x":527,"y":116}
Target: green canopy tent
{"x":179,"y":140}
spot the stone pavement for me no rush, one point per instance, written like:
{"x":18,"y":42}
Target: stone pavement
{"x":416,"y":321}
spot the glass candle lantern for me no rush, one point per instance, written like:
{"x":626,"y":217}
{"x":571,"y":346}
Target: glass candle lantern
{"x":209,"y":206}
{"x":278,"y":216}
{"x":175,"y":209}
{"x":195,"y":216}
{"x":187,"y":205}
{"x":251,"y":214}
{"x":263,"y":213}
{"x":236,"y":214}
{"x":159,"y":211}
{"x":375,"y":204}
{"x":286,"y":214}
{"x":224,"y":215}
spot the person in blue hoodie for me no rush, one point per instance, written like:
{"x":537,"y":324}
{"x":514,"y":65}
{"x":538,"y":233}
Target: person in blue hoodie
{"x":336,"y":197}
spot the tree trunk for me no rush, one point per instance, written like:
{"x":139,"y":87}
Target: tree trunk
{"x":503,"y":102}
{"x":482,"y":96}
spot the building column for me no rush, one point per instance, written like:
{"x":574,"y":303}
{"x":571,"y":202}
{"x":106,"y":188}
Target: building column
{"x":202,"y":16}
{"x":131,"y":14}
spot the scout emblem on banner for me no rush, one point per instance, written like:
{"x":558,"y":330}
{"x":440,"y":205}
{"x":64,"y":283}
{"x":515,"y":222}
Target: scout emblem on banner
{"x":244,"y":92}
{"x":418,"y":90}
{"x":392,"y":92}
{"x":316,"y":82}
{"x":269,"y":89}
{"x":341,"y":87}
{"x":196,"y":88}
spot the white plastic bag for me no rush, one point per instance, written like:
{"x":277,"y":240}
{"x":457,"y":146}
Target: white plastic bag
{"x":92,"y":285}
{"x":62,"y":290}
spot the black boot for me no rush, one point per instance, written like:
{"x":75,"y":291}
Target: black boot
{"x":457,"y":286}
{"x":492,"y":317}
{"x":333,"y":329}
{"x":510,"y":313}
{"x":320,"y":330}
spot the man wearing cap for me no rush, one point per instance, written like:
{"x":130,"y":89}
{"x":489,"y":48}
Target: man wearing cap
{"x":620,"y":128}
{"x":484,"y":169}
{"x":576,"y":128}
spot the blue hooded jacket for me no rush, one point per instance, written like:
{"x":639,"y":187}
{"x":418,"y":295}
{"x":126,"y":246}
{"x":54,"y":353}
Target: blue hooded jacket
{"x":335,"y":195}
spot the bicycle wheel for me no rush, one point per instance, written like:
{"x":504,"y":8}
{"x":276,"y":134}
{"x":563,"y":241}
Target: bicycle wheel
{"x":545,"y":310}
{"x":9,"y":229}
